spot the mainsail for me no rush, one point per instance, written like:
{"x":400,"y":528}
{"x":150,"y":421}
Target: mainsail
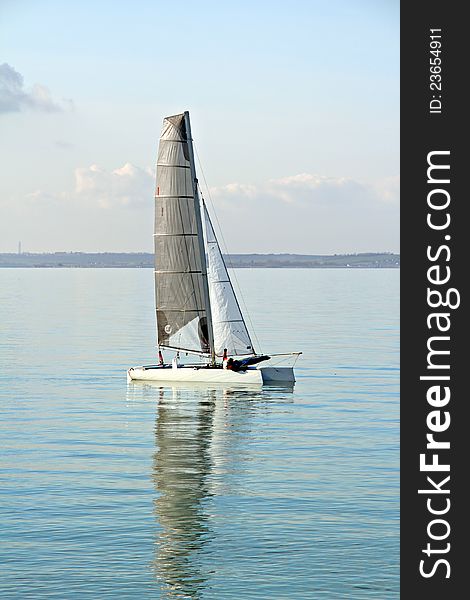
{"x":229,"y":328}
{"x":181,"y":289}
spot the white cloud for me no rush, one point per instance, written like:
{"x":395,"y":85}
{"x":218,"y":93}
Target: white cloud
{"x":102,"y":210}
{"x":303,"y":213}
{"x":310,"y":189}
{"x":388,"y":190}
{"x":310,"y":213}
{"x":40,"y":198}
{"x":14,"y":97}
{"x":128,"y":186}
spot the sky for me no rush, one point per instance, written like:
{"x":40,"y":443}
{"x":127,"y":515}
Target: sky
{"x":294,"y":110}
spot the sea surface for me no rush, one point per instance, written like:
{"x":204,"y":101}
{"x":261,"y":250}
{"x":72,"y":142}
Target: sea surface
{"x":117,"y":490}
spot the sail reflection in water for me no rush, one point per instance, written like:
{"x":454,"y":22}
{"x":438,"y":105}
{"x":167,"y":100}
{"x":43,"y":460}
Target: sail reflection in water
{"x":182,"y":464}
{"x":200,"y":445}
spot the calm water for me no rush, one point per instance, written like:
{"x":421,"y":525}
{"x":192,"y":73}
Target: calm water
{"x":109,"y":490}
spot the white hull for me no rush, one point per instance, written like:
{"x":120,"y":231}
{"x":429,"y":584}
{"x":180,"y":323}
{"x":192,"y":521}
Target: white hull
{"x":204,"y":375}
{"x":277,"y":374}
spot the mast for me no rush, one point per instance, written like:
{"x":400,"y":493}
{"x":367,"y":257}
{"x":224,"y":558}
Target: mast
{"x":197,"y":207}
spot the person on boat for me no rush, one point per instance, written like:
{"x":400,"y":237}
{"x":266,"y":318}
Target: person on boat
{"x":231,"y":364}
{"x":175,"y":363}
{"x":242,"y":365}
{"x":224,"y":359}
{"x":160,"y":358}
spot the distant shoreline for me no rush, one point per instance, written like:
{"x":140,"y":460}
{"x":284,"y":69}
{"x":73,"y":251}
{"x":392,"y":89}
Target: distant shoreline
{"x":141,"y":260}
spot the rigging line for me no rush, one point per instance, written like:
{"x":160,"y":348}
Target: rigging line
{"x":239,"y":290}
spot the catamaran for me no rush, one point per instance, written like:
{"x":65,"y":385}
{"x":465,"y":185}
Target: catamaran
{"x":197,"y":311}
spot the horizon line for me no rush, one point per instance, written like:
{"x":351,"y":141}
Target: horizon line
{"x":24,"y":252}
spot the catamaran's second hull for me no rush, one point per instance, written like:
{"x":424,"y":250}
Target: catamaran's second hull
{"x":188,"y":373}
